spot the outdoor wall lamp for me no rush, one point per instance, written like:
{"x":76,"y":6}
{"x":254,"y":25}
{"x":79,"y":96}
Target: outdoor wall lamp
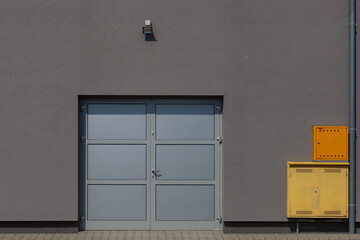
{"x":147,"y":29}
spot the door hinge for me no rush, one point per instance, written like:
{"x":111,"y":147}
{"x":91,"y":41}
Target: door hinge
{"x":219,"y":139}
{"x":83,"y":108}
{"x":82,"y":139}
{"x":218,"y":108}
{"x":219,"y":218}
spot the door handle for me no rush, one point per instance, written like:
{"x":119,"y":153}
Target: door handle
{"x":155,"y":173}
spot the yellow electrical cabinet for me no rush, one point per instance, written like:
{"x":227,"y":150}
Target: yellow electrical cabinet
{"x":317,"y":190}
{"x":330,"y":143}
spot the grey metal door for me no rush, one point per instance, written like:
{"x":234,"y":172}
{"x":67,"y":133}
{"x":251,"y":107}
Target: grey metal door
{"x":151,"y":164}
{"x":185,"y":160}
{"x":117,"y":163}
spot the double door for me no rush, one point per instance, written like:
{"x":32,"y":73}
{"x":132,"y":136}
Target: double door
{"x":150,"y":164}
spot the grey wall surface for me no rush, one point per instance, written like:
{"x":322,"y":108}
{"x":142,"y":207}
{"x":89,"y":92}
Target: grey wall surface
{"x":282,"y":66}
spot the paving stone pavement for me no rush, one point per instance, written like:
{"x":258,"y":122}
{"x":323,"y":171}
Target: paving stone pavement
{"x":174,"y":235}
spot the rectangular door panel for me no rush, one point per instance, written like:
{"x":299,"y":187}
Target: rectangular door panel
{"x":185,"y":203}
{"x":116,"y":121}
{"x":116,"y":202}
{"x":116,"y":162}
{"x":184,"y":121}
{"x":185,"y":162}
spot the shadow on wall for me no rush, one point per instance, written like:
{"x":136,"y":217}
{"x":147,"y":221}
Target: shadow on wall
{"x":292,"y":226}
{"x":150,"y":38}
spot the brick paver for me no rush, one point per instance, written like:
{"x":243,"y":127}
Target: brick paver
{"x":174,"y":235}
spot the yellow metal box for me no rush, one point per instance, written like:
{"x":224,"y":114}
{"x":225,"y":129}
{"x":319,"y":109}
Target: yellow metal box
{"x":317,"y":190}
{"x":330,"y":143}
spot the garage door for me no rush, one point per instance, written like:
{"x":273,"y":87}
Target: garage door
{"x":150,"y":164}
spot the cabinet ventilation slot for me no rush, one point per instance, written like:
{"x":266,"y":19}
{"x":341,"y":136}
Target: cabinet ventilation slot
{"x":332,"y":212}
{"x":332,"y":170}
{"x":301,"y":170}
{"x":303,"y":212}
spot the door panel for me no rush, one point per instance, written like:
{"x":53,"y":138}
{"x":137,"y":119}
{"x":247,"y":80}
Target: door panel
{"x":117,"y":162}
{"x":185,"y":162}
{"x":180,"y":121}
{"x":185,"y":203}
{"x":117,"y":121}
{"x":116,"y":202}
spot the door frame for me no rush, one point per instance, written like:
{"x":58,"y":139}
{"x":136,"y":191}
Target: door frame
{"x":150,"y":115}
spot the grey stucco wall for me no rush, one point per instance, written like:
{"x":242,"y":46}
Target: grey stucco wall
{"x":282,"y":66}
